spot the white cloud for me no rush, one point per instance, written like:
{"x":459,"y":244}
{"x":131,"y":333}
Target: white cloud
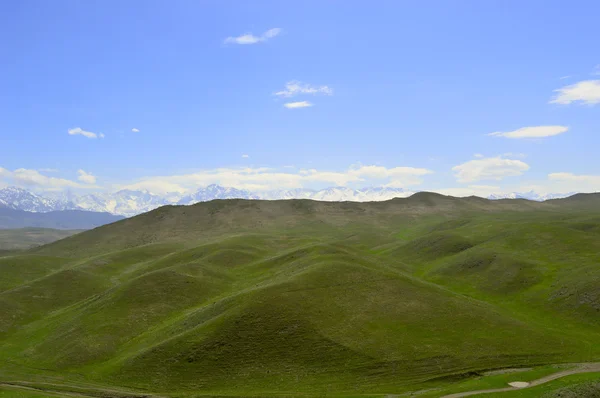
{"x":596,"y":70}
{"x":264,"y":179}
{"x":135,"y":130}
{"x":478,"y":155}
{"x":573,"y":177}
{"x":249,"y":38}
{"x":299,"y":104}
{"x":245,"y":156}
{"x":558,"y":183}
{"x":294,"y":87}
{"x":49,"y":170}
{"x":587,"y":92}
{"x":86,"y":177}
{"x":564,"y":77}
{"x":399,"y":176}
{"x":33,"y":178}
{"x":555,"y":183}
{"x":88,"y":134}
{"x":271,"y":33}
{"x":532,"y":132}
{"x":495,"y":168}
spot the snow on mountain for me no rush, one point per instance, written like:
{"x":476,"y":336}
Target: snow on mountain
{"x":334,"y":194}
{"x":129,"y":203}
{"x":21,"y":199}
{"x":278,"y":194}
{"x":214,"y":191}
{"x":382,"y":193}
{"x":531,"y":195}
{"x":125,"y":202}
{"x":556,"y":195}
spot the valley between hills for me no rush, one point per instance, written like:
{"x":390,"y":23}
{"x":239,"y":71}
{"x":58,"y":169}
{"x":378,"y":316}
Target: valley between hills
{"x":430,"y":294}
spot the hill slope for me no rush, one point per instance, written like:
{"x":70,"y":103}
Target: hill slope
{"x":293,"y":297}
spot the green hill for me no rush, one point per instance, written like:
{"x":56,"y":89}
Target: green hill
{"x":235,"y":297}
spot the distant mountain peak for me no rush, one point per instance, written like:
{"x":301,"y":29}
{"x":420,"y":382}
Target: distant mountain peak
{"x":130,"y":202}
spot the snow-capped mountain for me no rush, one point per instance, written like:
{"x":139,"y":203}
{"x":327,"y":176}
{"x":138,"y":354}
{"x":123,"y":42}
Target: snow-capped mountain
{"x":21,"y":199}
{"x":278,"y":194}
{"x":129,"y":203}
{"x":125,"y":202}
{"x":214,"y":191}
{"x":531,"y":195}
{"x":340,"y":194}
{"x":383,"y":193}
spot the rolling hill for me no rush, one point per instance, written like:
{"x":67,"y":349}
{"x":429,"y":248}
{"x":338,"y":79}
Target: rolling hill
{"x":300,"y":297}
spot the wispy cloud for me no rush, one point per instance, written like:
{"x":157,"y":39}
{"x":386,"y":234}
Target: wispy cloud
{"x":299,"y":104}
{"x":86,"y":177}
{"x":494,"y":168}
{"x":564,"y":77}
{"x":263,"y":179}
{"x":532,"y":132}
{"x":135,"y":130}
{"x":245,"y":156}
{"x":574,"y":177}
{"x":48,"y":170}
{"x":569,"y":182}
{"x":587,"y":92}
{"x":33,"y":178}
{"x":294,"y":87}
{"x":87,"y":134}
{"x":249,"y":38}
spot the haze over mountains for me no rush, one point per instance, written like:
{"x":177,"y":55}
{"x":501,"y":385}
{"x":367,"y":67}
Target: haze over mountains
{"x":61,"y":219}
{"x":132,"y":202}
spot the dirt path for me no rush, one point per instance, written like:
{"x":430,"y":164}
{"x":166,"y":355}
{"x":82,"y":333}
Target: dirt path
{"x":580,"y":368}
{"x":56,"y":390}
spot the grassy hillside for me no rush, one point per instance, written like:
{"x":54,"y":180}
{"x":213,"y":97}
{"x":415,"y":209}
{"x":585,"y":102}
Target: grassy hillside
{"x":299,"y":297}
{"x":26,"y":238}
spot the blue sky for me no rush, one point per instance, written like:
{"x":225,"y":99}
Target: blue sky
{"x":401,"y":93}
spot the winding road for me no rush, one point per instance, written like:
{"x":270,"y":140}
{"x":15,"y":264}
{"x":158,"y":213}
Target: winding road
{"x":579,"y":368}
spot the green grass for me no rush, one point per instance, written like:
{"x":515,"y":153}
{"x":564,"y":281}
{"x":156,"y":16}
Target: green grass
{"x":256,"y":298}
{"x":584,"y":385}
{"x":490,"y":381}
{"x":16,"y":393}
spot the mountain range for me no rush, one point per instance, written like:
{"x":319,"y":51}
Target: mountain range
{"x":131,"y":202}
